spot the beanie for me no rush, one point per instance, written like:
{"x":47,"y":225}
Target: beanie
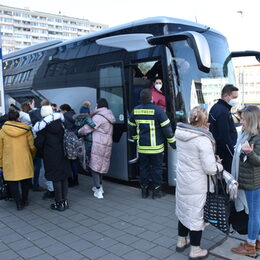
{"x":46,"y":110}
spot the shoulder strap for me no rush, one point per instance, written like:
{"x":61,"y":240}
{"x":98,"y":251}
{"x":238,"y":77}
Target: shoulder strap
{"x":19,"y":127}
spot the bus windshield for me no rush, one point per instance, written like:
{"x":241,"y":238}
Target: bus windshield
{"x":197,"y":87}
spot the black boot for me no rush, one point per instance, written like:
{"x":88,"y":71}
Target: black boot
{"x":19,"y":205}
{"x":58,"y":206}
{"x":145,"y":191}
{"x":75,"y":180}
{"x":157,"y":192}
{"x":70,"y":182}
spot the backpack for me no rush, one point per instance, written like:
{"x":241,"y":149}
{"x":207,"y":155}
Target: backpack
{"x":70,"y":141}
{"x":74,"y":147}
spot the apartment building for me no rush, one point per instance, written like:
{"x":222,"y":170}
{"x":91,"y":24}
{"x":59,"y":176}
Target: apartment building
{"x":21,"y":28}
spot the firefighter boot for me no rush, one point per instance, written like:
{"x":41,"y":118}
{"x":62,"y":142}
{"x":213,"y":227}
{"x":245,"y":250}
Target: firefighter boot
{"x":145,"y":191}
{"x":157,"y":192}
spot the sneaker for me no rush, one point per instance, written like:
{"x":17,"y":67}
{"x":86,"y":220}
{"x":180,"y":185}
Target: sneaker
{"x":95,"y":189}
{"x":98,"y":194}
{"x":66,"y":204}
{"x":58,"y":206}
{"x":48,"y":195}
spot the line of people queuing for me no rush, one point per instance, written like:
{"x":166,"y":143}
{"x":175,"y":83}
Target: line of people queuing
{"x":35,"y":135}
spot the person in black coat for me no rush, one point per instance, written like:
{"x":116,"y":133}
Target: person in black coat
{"x":69,"y":123}
{"x":56,"y":165}
{"x":222,"y":125}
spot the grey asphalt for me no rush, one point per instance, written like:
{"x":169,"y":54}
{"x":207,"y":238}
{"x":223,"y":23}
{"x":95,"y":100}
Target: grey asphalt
{"x":120,"y":226}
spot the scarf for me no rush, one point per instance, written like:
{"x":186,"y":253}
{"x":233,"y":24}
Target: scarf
{"x":240,"y":202}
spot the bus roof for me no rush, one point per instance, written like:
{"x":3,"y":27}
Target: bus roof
{"x":151,"y":20}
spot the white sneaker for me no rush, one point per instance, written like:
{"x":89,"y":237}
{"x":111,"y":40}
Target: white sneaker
{"x":98,"y":194}
{"x":95,"y":189}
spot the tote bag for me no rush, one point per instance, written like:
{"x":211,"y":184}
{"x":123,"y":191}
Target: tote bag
{"x":217,"y":207}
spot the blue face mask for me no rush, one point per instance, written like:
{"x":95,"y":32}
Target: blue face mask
{"x":233,"y":102}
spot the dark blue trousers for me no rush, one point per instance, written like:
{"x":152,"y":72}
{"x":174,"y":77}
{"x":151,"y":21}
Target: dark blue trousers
{"x":150,"y":166}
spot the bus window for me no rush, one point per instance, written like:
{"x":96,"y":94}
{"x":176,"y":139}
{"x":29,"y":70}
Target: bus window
{"x":111,"y":88}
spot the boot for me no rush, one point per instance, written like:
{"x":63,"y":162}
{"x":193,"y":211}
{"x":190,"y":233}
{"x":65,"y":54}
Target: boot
{"x":70,"y":182}
{"x":58,"y":206}
{"x":66,"y":204}
{"x":245,"y":249}
{"x":145,"y":191}
{"x":157,"y":192}
{"x":197,"y":253}
{"x":182,"y":244}
{"x":19,"y":205}
{"x":75,"y":180}
{"x":258,"y":245}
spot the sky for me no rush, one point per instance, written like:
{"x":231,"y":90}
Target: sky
{"x":238,"y":20}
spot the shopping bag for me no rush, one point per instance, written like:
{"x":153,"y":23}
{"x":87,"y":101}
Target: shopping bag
{"x":217,"y":207}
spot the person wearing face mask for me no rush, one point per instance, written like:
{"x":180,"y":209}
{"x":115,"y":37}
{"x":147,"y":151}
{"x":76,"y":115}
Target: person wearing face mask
{"x":222,"y":125}
{"x":158,"y":97}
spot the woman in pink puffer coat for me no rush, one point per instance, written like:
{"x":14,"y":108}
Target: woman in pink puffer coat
{"x":101,"y":143}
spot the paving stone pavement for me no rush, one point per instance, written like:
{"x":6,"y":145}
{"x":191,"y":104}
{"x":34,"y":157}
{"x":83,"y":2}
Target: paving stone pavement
{"x":120,"y":226}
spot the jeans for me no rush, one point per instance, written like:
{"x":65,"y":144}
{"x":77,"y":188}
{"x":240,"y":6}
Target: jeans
{"x":195,"y":236}
{"x":150,"y":165}
{"x":253,"y":201}
{"x":97,"y":179}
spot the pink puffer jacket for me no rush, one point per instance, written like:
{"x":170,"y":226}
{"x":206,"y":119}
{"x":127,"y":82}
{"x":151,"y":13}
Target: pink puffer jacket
{"x":102,"y":139}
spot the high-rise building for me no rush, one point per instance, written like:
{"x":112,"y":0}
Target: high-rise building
{"x":23,"y":27}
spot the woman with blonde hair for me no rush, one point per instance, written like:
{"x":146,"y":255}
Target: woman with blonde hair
{"x":195,"y":160}
{"x":246,"y":168}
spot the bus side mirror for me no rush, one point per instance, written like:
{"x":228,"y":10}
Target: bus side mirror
{"x":129,"y":42}
{"x":197,"y":42}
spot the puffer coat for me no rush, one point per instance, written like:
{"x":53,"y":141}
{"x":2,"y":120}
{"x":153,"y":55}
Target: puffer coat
{"x":101,"y":139}
{"x":195,"y":160}
{"x":16,"y":151}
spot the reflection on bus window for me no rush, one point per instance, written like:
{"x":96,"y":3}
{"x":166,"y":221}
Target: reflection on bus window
{"x":111,"y":88}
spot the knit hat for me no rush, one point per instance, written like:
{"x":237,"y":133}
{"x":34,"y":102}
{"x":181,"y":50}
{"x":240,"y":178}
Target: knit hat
{"x":46,"y":110}
{"x":84,"y":110}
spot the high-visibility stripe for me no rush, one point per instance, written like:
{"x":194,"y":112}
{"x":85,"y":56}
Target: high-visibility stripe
{"x":141,"y":147}
{"x":151,"y":128}
{"x":151,"y":151}
{"x":166,"y":122}
{"x":130,"y":123}
{"x":171,"y":140}
{"x":135,"y":137}
{"x":144,"y":112}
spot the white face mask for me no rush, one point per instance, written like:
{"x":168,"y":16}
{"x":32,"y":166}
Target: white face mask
{"x":233,"y":102}
{"x":158,"y":87}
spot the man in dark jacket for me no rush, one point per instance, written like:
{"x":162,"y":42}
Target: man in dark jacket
{"x":222,"y":125}
{"x":150,"y":126}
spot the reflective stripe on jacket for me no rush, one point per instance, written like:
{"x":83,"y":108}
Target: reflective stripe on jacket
{"x":150,"y":126}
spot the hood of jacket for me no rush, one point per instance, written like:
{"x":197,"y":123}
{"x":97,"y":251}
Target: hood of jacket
{"x":105,"y":112}
{"x":14,"y":128}
{"x":186,"y":132}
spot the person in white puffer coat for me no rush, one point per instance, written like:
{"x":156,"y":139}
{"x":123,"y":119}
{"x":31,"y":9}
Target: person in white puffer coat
{"x":195,"y":160}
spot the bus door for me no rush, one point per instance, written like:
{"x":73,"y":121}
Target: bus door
{"x":142,"y":75}
{"x":111,"y":87}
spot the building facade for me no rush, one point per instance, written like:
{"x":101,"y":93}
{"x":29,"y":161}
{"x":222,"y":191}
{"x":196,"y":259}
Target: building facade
{"x":21,"y":28}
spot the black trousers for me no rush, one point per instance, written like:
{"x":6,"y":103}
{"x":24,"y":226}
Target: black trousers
{"x":60,"y":190}
{"x":195,"y":236}
{"x":15,"y":190}
{"x":150,"y":166}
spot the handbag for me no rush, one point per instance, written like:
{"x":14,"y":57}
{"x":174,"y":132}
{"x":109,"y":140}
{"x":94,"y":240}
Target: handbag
{"x":3,"y":187}
{"x":217,"y":206}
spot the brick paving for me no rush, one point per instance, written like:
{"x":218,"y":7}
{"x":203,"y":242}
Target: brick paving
{"x":120,"y":226}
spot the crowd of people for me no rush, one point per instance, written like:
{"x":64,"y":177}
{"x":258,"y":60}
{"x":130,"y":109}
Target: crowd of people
{"x":32,"y":137}
{"x":206,"y":145}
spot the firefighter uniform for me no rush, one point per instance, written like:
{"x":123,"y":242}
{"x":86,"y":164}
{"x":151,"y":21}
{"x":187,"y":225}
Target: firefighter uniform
{"x":150,"y":126}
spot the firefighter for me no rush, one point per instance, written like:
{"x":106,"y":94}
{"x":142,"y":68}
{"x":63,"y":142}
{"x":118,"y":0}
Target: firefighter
{"x":150,"y":126}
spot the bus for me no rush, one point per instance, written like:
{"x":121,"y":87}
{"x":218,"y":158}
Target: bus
{"x":193,"y":60}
